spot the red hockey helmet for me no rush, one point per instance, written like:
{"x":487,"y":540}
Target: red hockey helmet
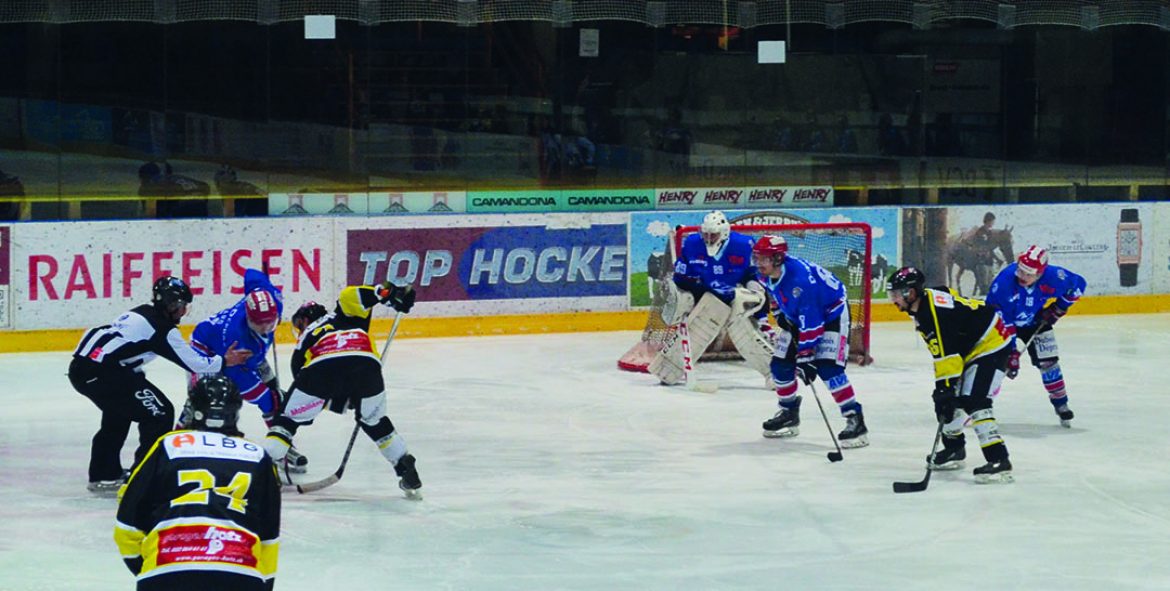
{"x":1034,"y":260}
{"x":261,"y":309}
{"x":771,"y":246}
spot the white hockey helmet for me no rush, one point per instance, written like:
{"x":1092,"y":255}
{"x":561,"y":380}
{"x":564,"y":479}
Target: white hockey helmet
{"x":715,"y":230}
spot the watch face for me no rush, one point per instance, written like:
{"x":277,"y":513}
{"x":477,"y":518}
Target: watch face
{"x":1129,"y":243}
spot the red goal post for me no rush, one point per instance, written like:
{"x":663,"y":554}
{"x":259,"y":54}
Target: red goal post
{"x":845,"y":249}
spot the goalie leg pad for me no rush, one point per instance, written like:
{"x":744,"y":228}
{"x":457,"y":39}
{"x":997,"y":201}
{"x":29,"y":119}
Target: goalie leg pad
{"x":704,"y":323}
{"x":668,"y":365}
{"x":752,"y":345}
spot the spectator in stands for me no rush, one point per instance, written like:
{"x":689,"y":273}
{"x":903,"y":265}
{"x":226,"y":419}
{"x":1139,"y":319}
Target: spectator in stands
{"x":674,"y":137}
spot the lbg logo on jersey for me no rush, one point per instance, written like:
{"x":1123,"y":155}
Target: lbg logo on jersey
{"x":452,"y":264}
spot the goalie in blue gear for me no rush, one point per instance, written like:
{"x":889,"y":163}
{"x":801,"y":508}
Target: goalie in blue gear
{"x":713,"y":288}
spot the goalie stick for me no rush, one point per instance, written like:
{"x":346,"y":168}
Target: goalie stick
{"x":335,"y":477}
{"x":908,"y":487}
{"x":693,"y":383}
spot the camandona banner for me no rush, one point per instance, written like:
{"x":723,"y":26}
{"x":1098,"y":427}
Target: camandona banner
{"x":1109,"y":244}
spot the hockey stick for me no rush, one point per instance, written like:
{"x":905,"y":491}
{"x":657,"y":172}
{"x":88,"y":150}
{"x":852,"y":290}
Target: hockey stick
{"x":908,"y":487}
{"x":834,"y":456}
{"x":335,"y":477}
{"x":693,"y":384}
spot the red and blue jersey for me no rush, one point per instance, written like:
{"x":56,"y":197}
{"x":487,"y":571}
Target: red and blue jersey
{"x":808,"y":296}
{"x":1019,"y":305}
{"x":697,"y":272}
{"x":216,"y":334}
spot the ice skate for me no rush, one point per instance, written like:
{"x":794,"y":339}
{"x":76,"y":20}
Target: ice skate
{"x":947,"y":458}
{"x":296,"y":462}
{"x":994,"y":473}
{"x":855,"y":434}
{"x":408,"y":481}
{"x":786,"y":422}
{"x":108,"y":488}
{"x":1066,"y":416}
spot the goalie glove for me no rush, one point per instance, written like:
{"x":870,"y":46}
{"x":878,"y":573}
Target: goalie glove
{"x":399,"y":297}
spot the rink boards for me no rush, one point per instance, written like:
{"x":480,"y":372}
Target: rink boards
{"x":518,"y":273}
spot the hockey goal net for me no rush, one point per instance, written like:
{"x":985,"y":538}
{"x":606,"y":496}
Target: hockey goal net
{"x":843,"y":249}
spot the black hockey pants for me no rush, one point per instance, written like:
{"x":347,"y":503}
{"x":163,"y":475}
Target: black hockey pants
{"x":124,"y":396}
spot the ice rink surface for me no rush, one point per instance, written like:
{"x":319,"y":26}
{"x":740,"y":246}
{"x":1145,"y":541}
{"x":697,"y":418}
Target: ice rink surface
{"x":546,"y":468}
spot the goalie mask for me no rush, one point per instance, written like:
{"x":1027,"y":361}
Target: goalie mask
{"x":715,"y":230}
{"x":215,"y":404}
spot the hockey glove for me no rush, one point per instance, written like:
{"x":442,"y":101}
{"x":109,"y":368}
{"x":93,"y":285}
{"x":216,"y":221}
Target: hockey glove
{"x":806,"y":371}
{"x":944,"y":401}
{"x":400,"y":298}
{"x":1013,"y":365}
{"x":770,"y":334}
{"x":1052,"y":313}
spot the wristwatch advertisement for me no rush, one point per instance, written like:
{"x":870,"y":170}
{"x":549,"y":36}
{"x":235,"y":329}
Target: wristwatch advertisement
{"x":1129,"y":246}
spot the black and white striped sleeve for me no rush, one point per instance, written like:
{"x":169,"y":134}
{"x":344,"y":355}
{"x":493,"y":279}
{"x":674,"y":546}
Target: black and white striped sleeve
{"x":180,"y":352}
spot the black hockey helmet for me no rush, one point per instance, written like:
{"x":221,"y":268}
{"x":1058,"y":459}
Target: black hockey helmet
{"x":307,"y":314}
{"x":170,"y":294}
{"x":905,"y":278}
{"x":215,"y":403}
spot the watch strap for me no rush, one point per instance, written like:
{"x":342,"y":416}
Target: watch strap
{"x":1129,"y":274}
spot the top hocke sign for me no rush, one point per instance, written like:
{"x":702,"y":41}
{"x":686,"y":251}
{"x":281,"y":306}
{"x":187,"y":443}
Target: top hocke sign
{"x":743,"y":197}
{"x":492,"y":263}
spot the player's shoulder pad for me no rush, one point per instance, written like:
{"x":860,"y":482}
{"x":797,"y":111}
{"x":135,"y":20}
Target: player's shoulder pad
{"x":941,"y":297}
{"x":208,"y":444}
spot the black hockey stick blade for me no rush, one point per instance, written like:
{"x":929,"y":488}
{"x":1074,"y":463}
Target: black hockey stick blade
{"x":910,"y":487}
{"x":835,"y":456}
{"x":335,"y":477}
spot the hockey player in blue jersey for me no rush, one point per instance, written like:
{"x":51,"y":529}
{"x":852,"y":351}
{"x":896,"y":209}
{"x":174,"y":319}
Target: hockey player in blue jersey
{"x":252,"y":323}
{"x":714,"y":287}
{"x":813,"y":340}
{"x":1021,"y":293}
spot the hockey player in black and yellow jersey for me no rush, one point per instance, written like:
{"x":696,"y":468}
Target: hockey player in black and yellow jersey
{"x":969,"y":343}
{"x":336,"y":363}
{"x":202,"y":509}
